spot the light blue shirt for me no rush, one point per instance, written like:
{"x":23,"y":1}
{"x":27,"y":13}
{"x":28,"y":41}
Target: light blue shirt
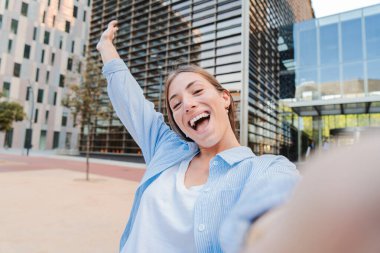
{"x":241,"y":186}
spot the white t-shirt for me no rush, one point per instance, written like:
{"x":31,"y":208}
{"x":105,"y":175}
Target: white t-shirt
{"x":164,"y":221}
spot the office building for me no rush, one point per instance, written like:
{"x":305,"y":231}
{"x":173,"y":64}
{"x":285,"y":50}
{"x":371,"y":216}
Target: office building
{"x":332,"y":80}
{"x":42,"y":52}
{"x":237,"y":41}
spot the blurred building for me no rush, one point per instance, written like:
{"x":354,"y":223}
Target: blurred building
{"x":237,"y":41}
{"x":42,"y":51}
{"x":330,"y":74}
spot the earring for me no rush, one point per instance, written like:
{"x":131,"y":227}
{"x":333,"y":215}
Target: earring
{"x":227,"y":110}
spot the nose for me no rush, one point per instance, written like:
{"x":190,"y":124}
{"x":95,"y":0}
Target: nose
{"x":189,"y":104}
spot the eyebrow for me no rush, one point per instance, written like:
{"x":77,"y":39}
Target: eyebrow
{"x":187,"y":87}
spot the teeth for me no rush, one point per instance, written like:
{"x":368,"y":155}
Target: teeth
{"x":196,"y":118}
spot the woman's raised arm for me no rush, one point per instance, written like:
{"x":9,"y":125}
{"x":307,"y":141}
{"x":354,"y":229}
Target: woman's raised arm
{"x":146,"y":126}
{"x":105,"y":45}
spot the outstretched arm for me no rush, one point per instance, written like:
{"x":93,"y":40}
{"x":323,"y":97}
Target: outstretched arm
{"x":146,"y":126}
{"x":105,"y":45}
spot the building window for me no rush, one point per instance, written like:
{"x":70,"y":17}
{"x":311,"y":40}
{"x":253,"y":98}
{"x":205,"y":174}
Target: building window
{"x":8,"y":138}
{"x":27,"y":94}
{"x":69,"y":64}
{"x":34,"y":33}
{"x":6,"y":4}
{"x":75,"y":11}
{"x":79,"y":67}
{"x":60,"y":43}
{"x":61,"y":80}
{"x":67,"y":27}
{"x":46,"y":117}
{"x":47,"y":77}
{"x":24,"y":9}
{"x":52,"y":58}
{"x":64,"y":120}
{"x":46,"y":37}
{"x":88,"y":2}
{"x":43,"y":17}
{"x":42,"y":55}
{"x":55,"y":98}
{"x":16,"y":69}
{"x":14,"y":26}
{"x":6,"y":89}
{"x":84,"y":16}
{"x":59,"y":4}
{"x":84,"y":50}
{"x":55,"y":139}
{"x":36,"y":116}
{"x":40,"y":96}
{"x":72,"y":46}
{"x":27,"y":51}
{"x":48,"y":3}
{"x":37,"y":74}
{"x":9,"y":46}
{"x":54,"y":20}
{"x":1,"y":21}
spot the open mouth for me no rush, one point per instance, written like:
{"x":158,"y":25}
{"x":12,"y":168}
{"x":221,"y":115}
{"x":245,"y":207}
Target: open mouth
{"x":200,"y":122}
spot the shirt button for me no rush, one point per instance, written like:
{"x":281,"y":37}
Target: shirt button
{"x":215,"y":163}
{"x":201,"y":227}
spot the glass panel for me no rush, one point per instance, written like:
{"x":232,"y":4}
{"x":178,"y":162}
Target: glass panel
{"x":352,"y":40}
{"x":308,"y":48}
{"x":372,"y":28}
{"x":330,"y":86}
{"x":353,"y":77}
{"x":329,"y":44}
{"x":373,"y":68}
{"x":306,"y":84}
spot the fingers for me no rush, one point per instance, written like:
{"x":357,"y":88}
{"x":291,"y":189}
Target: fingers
{"x":112,"y":29}
{"x":112,"y":24}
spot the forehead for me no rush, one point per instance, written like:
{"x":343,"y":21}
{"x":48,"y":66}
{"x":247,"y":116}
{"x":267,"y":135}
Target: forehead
{"x":182,"y":80}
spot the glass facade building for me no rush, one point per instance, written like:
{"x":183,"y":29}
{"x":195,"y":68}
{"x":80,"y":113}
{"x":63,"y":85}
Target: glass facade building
{"x":237,"y":41}
{"x":331,"y":75}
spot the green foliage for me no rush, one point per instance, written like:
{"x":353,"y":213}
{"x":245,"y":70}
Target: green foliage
{"x":10,"y":112}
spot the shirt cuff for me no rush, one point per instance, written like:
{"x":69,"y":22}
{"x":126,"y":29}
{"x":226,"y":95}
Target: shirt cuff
{"x":114,"y":65}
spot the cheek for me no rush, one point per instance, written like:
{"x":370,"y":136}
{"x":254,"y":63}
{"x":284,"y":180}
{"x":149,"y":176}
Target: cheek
{"x":177,"y":118}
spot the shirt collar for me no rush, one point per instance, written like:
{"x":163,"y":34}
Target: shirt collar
{"x":236,"y":154}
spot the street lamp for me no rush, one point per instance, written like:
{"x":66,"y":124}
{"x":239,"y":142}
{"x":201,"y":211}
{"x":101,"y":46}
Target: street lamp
{"x":28,"y":142}
{"x":158,"y":58}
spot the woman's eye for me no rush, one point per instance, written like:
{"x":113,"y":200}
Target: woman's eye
{"x":197,"y":91}
{"x":176,"y":106}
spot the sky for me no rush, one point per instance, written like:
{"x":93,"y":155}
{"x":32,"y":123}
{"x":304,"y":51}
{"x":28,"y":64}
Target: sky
{"x":324,"y":8}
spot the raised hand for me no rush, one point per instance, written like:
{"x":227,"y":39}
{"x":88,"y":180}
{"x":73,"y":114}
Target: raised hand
{"x":105,"y":46}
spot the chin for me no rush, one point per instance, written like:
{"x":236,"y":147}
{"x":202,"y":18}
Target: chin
{"x":207,"y":142}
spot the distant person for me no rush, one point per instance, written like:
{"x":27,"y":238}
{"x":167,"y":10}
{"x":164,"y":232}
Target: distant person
{"x":197,"y":172}
{"x":334,"y":209}
{"x":326,"y":145}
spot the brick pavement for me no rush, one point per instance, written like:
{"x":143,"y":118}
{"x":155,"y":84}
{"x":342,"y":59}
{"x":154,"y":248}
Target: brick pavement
{"x":47,"y":206}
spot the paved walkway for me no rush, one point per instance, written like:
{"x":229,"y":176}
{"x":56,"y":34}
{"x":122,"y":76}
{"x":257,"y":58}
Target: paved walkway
{"x":48,"y":206}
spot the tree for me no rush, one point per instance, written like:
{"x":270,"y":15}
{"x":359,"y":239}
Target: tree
{"x":88,"y":103}
{"x":9,"y":113}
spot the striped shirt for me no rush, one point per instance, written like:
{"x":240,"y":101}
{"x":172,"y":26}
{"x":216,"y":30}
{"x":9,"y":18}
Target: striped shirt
{"x":241,"y":186}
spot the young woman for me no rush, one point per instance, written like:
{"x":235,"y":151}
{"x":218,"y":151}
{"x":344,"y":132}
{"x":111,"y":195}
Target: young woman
{"x":197,"y":173}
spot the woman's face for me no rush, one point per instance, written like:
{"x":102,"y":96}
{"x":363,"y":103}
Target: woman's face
{"x":199,"y":109}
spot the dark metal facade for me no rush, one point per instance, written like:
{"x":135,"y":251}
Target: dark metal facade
{"x":156,"y":36}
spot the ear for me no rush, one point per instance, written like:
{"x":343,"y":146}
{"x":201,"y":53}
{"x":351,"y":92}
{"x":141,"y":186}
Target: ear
{"x":227,"y":98}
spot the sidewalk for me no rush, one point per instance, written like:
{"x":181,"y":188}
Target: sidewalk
{"x":48,"y":206}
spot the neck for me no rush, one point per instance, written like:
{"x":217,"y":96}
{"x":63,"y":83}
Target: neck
{"x":227,"y":142}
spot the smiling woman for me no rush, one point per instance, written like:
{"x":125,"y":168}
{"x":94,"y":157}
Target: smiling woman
{"x":202,"y":80}
{"x":198,"y":175}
